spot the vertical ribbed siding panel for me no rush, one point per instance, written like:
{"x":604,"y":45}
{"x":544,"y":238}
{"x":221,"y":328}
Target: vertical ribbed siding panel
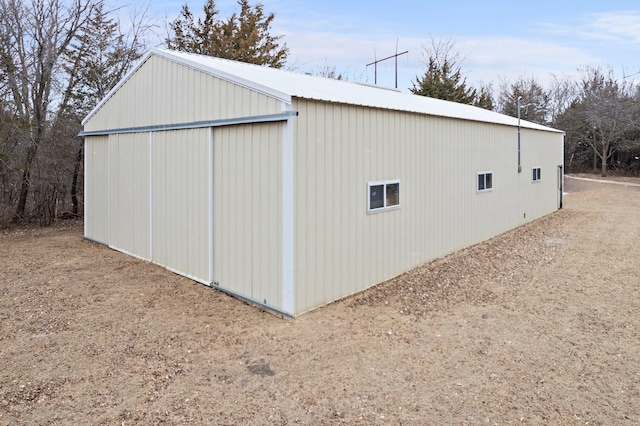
{"x":161,"y":229}
{"x":305,"y":147}
{"x":258,"y":181}
{"x":129,"y":193}
{"x":178,"y":197}
{"x":322,"y":206}
{"x":344,"y":160}
{"x":96,"y":200}
{"x":369,"y":223}
{"x":272,"y":288}
{"x":181,"y":191}
{"x":113,"y":188}
{"x":248,"y":211}
{"x":332,"y":222}
{"x":118,"y":191}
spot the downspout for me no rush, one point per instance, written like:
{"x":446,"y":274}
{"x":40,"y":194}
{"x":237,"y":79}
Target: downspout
{"x":519,"y":163}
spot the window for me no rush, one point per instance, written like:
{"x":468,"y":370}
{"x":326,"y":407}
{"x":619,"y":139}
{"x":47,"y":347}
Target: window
{"x":383,"y":195}
{"x":485,"y":181}
{"x":535,"y":174}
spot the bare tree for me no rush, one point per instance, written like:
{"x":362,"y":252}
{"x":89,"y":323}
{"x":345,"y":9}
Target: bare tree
{"x":329,"y":71}
{"x":534,"y":99}
{"x":57,"y":60}
{"x":12,"y":139}
{"x":562,"y":93}
{"x":605,"y":115}
{"x":33,"y":37}
{"x":609,"y":107}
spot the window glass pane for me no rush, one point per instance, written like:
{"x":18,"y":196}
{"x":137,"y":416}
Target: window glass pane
{"x":480,"y":182}
{"x":489,"y":182}
{"x":376,"y":197}
{"x":393,"y":194}
{"x":536,"y":173}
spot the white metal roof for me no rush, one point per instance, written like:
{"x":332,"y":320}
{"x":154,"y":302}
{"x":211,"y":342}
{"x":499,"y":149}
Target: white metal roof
{"x":286,"y":85}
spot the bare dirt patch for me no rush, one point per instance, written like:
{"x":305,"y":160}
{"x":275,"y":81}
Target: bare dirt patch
{"x":540,"y":325}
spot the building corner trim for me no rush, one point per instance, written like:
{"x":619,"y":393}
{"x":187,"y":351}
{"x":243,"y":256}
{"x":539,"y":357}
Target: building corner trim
{"x":288,"y":241}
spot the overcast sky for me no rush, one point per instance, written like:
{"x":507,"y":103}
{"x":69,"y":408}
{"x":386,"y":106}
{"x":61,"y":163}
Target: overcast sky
{"x":498,"y":39}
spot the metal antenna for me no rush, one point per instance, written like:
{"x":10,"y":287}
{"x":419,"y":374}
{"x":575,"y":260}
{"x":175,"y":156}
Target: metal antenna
{"x":375,"y":64}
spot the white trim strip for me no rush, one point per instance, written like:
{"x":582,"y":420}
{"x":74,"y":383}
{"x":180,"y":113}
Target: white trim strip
{"x":109,"y":174}
{"x":151,"y":196}
{"x":87,"y":184}
{"x":211,"y":206}
{"x":195,"y":124}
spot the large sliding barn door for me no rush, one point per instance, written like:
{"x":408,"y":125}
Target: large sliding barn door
{"x":181,"y":193}
{"x":248,"y":211}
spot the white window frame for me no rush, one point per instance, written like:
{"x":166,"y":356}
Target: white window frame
{"x":384,"y":184}
{"x":485,"y":189}
{"x":537,"y":177}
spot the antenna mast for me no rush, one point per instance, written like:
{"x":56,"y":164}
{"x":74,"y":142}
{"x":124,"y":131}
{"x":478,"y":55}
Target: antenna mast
{"x":375,"y":64}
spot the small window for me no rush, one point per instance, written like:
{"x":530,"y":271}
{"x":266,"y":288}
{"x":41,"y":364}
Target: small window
{"x":392,"y":194}
{"x":535,"y":174}
{"x":485,"y":181}
{"x":383,"y":195}
{"x":376,"y":197}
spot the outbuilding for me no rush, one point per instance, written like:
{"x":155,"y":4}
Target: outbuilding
{"x":291,"y":191}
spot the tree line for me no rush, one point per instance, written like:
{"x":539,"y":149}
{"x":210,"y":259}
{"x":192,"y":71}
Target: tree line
{"x":599,"y":111}
{"x":59,"y":59}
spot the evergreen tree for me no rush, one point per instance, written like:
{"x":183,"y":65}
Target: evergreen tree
{"x":99,"y":58}
{"x":244,"y":36}
{"x":443,"y":78}
{"x":484,"y":99}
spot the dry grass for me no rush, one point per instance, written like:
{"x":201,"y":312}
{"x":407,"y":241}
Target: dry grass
{"x":540,"y":325}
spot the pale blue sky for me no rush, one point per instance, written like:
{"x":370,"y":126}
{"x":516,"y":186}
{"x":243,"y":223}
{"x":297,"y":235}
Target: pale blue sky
{"x":498,"y":39}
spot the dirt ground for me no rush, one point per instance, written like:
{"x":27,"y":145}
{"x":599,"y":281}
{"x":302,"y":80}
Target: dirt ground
{"x":537,"y":326}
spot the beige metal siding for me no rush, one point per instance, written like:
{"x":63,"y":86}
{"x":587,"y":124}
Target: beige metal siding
{"x":95,"y":184}
{"x":248,"y":211}
{"x":181,"y":190}
{"x":210,"y":203}
{"x":128,"y":189}
{"x":341,"y":249}
{"x":163,"y":92}
{"x":148,"y":195}
{"x":548,"y":155}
